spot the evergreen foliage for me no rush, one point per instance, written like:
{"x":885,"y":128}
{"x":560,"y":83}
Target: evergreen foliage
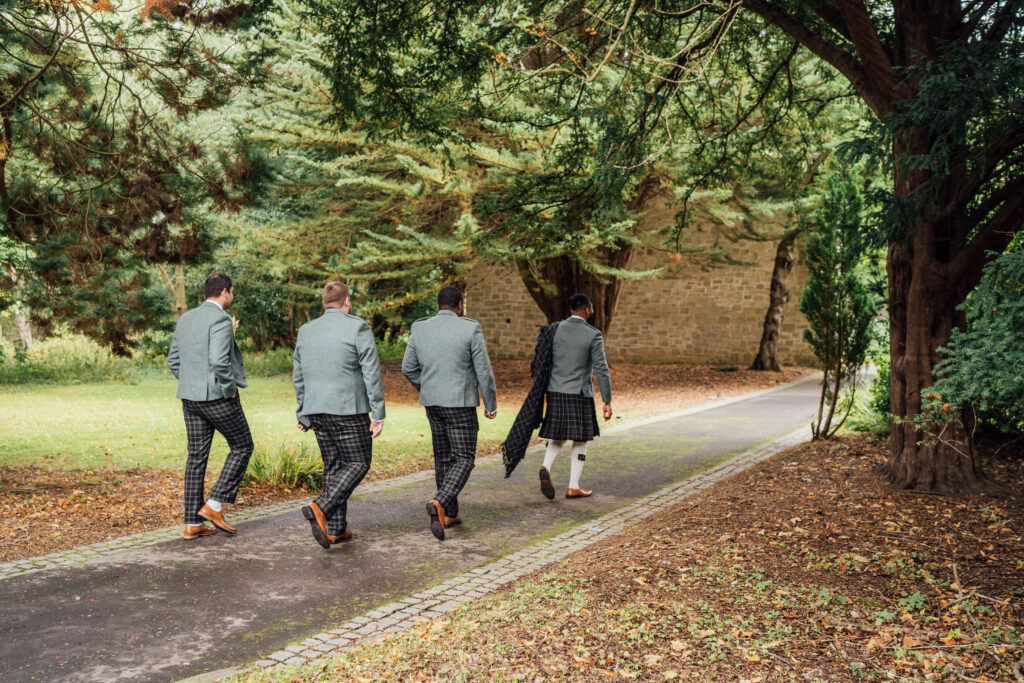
{"x":101,"y":161}
{"x":837,"y":301}
{"x":983,"y":370}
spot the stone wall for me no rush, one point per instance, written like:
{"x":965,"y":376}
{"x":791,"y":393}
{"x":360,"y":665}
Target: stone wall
{"x":691,"y":313}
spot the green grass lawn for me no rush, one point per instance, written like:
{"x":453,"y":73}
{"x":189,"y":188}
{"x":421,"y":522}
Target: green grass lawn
{"x":124,"y":426}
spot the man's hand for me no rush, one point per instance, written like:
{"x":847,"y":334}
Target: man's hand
{"x":607,"y":411}
{"x":376,"y":428}
{"x":490,"y":416}
{"x":302,"y":427}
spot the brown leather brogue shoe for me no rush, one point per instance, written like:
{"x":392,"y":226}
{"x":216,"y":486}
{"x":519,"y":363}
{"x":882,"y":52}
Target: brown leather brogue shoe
{"x":208,"y":513}
{"x":545,"y":484}
{"x":436,"y":513}
{"x":193,"y":531}
{"x":343,"y":536}
{"x":317,"y":523}
{"x":577,"y":493}
{"x":449,"y":521}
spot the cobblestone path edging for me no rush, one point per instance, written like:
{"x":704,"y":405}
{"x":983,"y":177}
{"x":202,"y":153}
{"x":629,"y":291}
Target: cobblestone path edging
{"x":86,"y":553}
{"x":435,"y":601}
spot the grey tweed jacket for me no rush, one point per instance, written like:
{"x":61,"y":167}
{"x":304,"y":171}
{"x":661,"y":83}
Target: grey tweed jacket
{"x":335,"y":368}
{"x":577,"y":354}
{"x":446,"y":360}
{"x":204,"y":356}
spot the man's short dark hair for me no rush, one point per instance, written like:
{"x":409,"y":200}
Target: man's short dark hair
{"x":215,"y":284}
{"x":335,"y":293}
{"x":578,"y":302}
{"x":449,"y":297}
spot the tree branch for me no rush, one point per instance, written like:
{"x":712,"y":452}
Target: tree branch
{"x":836,"y":55}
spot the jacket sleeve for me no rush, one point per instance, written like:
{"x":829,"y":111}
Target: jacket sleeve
{"x":174,"y":356}
{"x":411,"y":367}
{"x":297,"y":380}
{"x":484,"y":373}
{"x":604,"y":378}
{"x":366,"y":347}
{"x":222,"y":339}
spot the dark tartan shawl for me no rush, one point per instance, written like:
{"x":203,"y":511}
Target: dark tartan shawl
{"x":514,"y":447}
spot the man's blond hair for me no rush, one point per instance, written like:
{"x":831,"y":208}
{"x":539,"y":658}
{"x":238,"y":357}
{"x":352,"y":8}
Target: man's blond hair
{"x":335,"y":293}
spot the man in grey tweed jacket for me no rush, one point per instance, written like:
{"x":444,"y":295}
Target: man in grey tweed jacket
{"x":336,"y":373}
{"x":446,"y":360}
{"x":577,"y":354}
{"x":208,"y":366}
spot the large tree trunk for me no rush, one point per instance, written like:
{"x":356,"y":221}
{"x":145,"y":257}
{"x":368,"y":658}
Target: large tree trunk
{"x":922,"y":315}
{"x":768,"y":352}
{"x":552,"y":281}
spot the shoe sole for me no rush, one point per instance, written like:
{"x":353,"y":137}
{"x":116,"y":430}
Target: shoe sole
{"x":545,"y":485}
{"x":314,"y":525}
{"x":192,"y":538}
{"x":214,"y":522}
{"x":436,"y":526}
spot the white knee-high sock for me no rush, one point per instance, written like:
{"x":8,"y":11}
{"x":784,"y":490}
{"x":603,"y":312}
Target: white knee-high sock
{"x":215,"y":505}
{"x":554,"y":448}
{"x":579,"y":453}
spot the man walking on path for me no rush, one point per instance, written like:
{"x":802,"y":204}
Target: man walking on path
{"x":208,"y":366}
{"x":336,"y":373}
{"x":446,"y":360}
{"x":577,"y":354}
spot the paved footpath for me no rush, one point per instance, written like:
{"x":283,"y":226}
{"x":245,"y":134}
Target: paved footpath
{"x":157,"y":608}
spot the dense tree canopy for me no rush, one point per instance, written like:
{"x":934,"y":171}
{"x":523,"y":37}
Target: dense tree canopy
{"x":944,"y":80}
{"x":101,"y":162}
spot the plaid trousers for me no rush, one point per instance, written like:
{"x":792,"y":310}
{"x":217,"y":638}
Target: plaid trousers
{"x":202,"y":418}
{"x":453,"y":432}
{"x":346,"y":447}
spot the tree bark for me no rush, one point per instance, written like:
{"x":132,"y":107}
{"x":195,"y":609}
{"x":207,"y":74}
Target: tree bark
{"x":922,"y":315}
{"x":552,"y":281}
{"x":768,"y":352}
{"x":19,"y":315}
{"x":175,"y":289}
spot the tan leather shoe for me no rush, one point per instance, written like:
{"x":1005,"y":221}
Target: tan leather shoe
{"x":208,"y":513}
{"x":317,"y":523}
{"x":545,"y":484}
{"x":193,"y":531}
{"x":577,"y":493}
{"x":436,"y":513}
{"x":343,"y":536}
{"x":449,"y":521}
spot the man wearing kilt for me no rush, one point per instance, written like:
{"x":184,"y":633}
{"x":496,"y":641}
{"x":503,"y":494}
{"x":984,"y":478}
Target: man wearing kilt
{"x":336,"y":373}
{"x":577,"y":353}
{"x":446,"y":360}
{"x":207,"y":363}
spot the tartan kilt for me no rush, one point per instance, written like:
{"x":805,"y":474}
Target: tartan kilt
{"x":569,"y":417}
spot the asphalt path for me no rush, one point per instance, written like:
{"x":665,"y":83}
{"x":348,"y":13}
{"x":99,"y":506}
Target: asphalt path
{"x":172,"y":610}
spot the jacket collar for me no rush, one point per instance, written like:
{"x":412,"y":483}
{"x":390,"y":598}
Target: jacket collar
{"x":447,"y":312}
{"x":335,"y":310}
{"x":575,"y":318}
{"x":213,"y":303}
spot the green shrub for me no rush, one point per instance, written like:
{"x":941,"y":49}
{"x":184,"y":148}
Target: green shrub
{"x":983,"y":370}
{"x":268,"y":363}
{"x":392,"y":349}
{"x":865,"y":417}
{"x":67,"y":359}
{"x":292,"y":465}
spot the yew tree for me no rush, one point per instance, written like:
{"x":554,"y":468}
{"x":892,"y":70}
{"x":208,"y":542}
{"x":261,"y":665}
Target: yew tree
{"x":609,"y":136}
{"x":945,"y":81}
{"x":103,"y":168}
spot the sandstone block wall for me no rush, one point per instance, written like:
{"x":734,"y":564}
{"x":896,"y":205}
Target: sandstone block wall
{"x":688,"y":314}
